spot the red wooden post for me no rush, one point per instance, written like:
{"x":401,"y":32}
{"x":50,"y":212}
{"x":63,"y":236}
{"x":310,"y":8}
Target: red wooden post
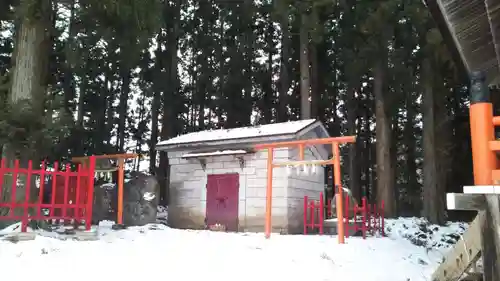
{"x":65,"y":205}
{"x":13,"y":201}
{"x":321,"y":212}
{"x":305,"y":214}
{"x":40,"y":193}
{"x":311,"y":213}
{"x":25,"y":217}
{"x":2,"y":172}
{"x":346,"y":215}
{"x":90,"y":193}
{"x":52,"y":209}
{"x":364,"y":214}
{"x":368,"y":217}
{"x":329,"y":211}
{"x":77,"y":195}
{"x":382,"y":217}
{"x":373,"y":218}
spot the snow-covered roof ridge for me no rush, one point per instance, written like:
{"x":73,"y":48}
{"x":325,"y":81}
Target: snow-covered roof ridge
{"x":215,"y":153}
{"x":284,"y":128}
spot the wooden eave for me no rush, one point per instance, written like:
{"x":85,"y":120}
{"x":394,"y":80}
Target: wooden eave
{"x":471,"y":29}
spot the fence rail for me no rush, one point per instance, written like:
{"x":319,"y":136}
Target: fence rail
{"x":70,"y":193}
{"x":367,"y":218}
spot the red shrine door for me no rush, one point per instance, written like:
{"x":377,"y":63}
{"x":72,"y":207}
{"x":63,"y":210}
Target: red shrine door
{"x":222,"y":200}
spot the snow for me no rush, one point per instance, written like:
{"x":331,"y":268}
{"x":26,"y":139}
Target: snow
{"x":419,"y":232}
{"x":284,"y":128}
{"x":215,"y":153}
{"x":157,"y":251}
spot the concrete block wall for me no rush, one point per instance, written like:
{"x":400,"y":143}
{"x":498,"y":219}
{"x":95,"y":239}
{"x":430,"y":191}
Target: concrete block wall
{"x":301,"y":185}
{"x":188,"y":189}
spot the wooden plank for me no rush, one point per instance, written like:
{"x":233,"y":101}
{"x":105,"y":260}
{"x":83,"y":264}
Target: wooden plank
{"x":465,"y":202}
{"x":475,"y":276}
{"x":490,"y":230}
{"x":494,"y":145}
{"x":481,"y":189}
{"x":465,"y":253}
{"x":495,"y":176}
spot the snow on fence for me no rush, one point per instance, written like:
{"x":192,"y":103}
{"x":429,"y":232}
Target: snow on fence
{"x":367,"y":218}
{"x":66,"y":195}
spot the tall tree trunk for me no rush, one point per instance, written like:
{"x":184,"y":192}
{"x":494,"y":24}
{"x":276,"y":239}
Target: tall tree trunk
{"x":395,"y":132}
{"x":248,"y":22}
{"x":305,"y":83}
{"x":366,"y":155}
{"x":435,"y":167}
{"x":411,"y":164}
{"x":385,"y":177}
{"x":284,"y":79}
{"x":29,"y":84}
{"x":169,"y":99}
{"x":268,"y":104}
{"x":156,"y":105}
{"x":430,"y":175}
{"x":220,"y":54}
{"x":126,"y":78}
{"x":69,"y":81}
{"x":353,"y":167}
{"x":83,"y":86}
{"x":313,"y":57}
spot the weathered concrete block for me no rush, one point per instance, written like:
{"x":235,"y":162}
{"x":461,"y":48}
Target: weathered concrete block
{"x":248,"y":171}
{"x":200,"y":173}
{"x":190,"y":185}
{"x":281,"y":153}
{"x":259,"y":192}
{"x":260,"y":203}
{"x":214,"y":165}
{"x":262,"y":182}
{"x":186,"y":217}
{"x":174,"y":161}
{"x":255,"y":183}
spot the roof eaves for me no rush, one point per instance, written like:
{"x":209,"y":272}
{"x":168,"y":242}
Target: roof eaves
{"x":439,"y":15}
{"x":226,"y":143}
{"x":234,"y":142}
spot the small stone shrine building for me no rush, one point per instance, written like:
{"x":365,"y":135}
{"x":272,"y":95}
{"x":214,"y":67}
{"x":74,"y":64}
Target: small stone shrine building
{"x":216,"y":177}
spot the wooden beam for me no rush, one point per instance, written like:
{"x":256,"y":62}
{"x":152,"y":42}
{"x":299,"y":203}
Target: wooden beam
{"x":482,"y":189}
{"x":489,"y":206}
{"x":106,"y":156}
{"x":465,"y":202}
{"x":304,"y":162}
{"x":493,"y":13}
{"x":490,"y":230}
{"x":449,"y":38}
{"x":465,"y":254}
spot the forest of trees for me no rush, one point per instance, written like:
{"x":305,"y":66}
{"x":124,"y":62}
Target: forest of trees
{"x":104,"y":76}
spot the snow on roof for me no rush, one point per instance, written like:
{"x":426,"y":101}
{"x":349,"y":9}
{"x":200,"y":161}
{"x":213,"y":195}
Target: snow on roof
{"x":215,"y":153}
{"x":284,"y":128}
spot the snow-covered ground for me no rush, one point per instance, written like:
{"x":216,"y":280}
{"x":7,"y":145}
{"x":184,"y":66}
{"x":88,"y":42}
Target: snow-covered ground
{"x":157,"y":251}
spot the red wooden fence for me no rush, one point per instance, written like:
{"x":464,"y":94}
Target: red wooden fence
{"x":367,"y":218}
{"x":314,"y":214}
{"x":71,"y":193}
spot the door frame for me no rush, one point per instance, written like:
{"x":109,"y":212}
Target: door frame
{"x":235,"y":176}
